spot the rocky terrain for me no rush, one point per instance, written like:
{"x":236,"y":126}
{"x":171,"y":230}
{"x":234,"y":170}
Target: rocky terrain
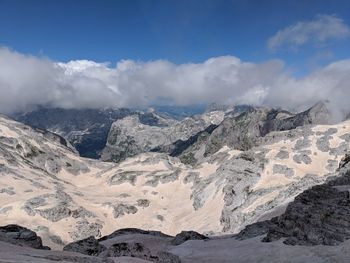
{"x":247,"y":129}
{"x":87,"y":129}
{"x":139,"y":133}
{"x":318,"y":216}
{"x":44,"y":183}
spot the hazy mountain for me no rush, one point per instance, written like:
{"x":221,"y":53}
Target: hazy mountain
{"x":137,"y":134}
{"x":86,"y":129}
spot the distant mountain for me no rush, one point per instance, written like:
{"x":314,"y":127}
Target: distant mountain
{"x":85,"y":129}
{"x":179,"y":112}
{"x":247,"y":129}
{"x":140,"y":133}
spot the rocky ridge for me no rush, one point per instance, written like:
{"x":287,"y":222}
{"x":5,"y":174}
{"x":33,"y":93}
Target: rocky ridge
{"x":248,"y":129}
{"x":133,"y":135}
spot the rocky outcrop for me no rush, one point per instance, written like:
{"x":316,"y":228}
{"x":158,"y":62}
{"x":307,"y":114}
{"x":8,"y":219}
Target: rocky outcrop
{"x":129,"y":231}
{"x":137,"y":133}
{"x":89,"y":246}
{"x":318,"y":216}
{"x":85,"y":129}
{"x":187,"y":235}
{"x":247,"y":130}
{"x":118,"y":244}
{"x":21,"y":236}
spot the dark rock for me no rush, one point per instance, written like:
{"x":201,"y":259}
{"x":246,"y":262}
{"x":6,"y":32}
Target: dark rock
{"x":317,"y":216}
{"x":85,"y":129}
{"x":187,"y":235}
{"x":132,"y":249}
{"x":166,"y":257}
{"x":122,"y":209}
{"x":129,"y":231}
{"x":143,"y":202}
{"x":254,"y":230}
{"x":89,"y":246}
{"x":21,"y":236}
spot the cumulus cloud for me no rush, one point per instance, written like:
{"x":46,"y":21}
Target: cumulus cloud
{"x":319,"y":30}
{"x":27,"y":81}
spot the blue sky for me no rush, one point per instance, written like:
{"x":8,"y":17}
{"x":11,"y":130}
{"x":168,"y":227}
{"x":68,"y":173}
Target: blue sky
{"x":179,"y":31}
{"x":287,"y":54}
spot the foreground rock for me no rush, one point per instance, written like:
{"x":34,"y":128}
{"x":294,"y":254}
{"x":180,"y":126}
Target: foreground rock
{"x":21,"y":236}
{"x":187,"y":235}
{"x":89,"y":246}
{"x":142,"y":248}
{"x":318,"y":216}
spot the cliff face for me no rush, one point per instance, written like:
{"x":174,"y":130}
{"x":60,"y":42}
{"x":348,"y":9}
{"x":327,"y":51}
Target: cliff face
{"x":133,"y":135}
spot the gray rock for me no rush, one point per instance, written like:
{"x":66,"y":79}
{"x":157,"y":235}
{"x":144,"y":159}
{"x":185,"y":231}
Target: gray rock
{"x":282,"y":154}
{"x":143,"y":202}
{"x":21,"y":236}
{"x":331,"y":165}
{"x":303,"y":157}
{"x":129,"y":231}
{"x":345,"y":137}
{"x":160,"y":218}
{"x":8,"y":191}
{"x":125,"y":177}
{"x":89,"y":246}
{"x":132,"y":249}
{"x":85,"y":229}
{"x":130,"y":136}
{"x":322,"y":143}
{"x":302,"y":144}
{"x":167,"y":257}
{"x":123,"y":209}
{"x":283,"y":169}
{"x":317,"y":216}
{"x":161,"y":177}
{"x":4,"y":210}
{"x":187,"y":235}
{"x":56,"y":239}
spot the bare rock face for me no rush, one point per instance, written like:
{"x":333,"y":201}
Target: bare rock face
{"x":89,"y":246}
{"x":135,"y":134}
{"x":21,"y":236}
{"x":133,"y":249}
{"x":187,"y":235}
{"x":129,"y":231}
{"x":85,"y":129}
{"x":318,"y":216}
{"x":248,"y":128}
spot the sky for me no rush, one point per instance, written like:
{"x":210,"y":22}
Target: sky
{"x":126,"y":53}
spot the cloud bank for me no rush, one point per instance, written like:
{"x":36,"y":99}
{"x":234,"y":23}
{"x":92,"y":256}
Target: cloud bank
{"x":319,"y":30}
{"x":28,"y":81}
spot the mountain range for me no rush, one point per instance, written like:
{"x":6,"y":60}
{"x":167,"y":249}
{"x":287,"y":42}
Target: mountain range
{"x":228,"y":177}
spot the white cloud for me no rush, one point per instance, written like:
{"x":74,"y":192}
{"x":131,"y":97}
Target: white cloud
{"x":27,"y":81}
{"x":319,"y":30}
